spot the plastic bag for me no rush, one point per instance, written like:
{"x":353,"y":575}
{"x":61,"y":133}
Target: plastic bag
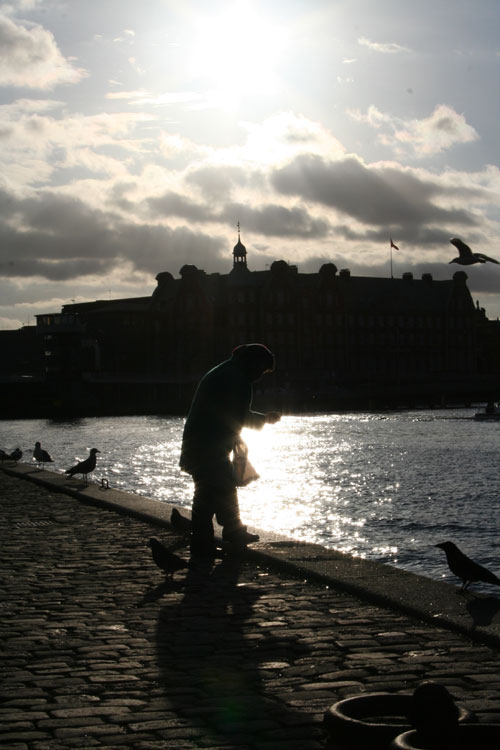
{"x":243,"y":471}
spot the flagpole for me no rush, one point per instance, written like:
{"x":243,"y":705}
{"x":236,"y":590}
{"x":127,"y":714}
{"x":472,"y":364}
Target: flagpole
{"x":392,"y":245}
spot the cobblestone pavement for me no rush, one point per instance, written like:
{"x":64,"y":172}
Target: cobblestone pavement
{"x":99,"y":651}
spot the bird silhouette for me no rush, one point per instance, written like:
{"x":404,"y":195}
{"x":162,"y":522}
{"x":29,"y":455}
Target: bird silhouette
{"x":41,"y":456}
{"x":465,"y":255}
{"x":16,"y":455}
{"x":434,"y":714}
{"x":84,"y":467}
{"x":3,"y":455}
{"x":165,"y":559}
{"x":180,"y":523}
{"x":465,"y":568}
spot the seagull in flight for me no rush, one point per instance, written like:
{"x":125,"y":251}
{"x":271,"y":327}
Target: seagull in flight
{"x":84,"y":467}
{"x":465,"y":568}
{"x":465,"y":255}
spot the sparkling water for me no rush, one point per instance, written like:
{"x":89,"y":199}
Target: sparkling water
{"x":387,"y":486}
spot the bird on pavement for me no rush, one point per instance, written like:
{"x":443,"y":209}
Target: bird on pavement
{"x":41,"y":456}
{"x":84,"y":467}
{"x":165,"y":559}
{"x":3,"y":455}
{"x":16,"y":455}
{"x":180,"y":523}
{"x":465,"y":255}
{"x":465,"y":568}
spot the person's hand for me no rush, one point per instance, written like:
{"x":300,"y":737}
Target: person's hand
{"x":272,"y":417}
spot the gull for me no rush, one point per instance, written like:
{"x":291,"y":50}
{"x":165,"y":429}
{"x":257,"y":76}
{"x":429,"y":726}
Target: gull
{"x":84,"y":467}
{"x":41,"y":456}
{"x":465,"y":568}
{"x":165,"y":559}
{"x":466,"y":257}
{"x":16,"y":454}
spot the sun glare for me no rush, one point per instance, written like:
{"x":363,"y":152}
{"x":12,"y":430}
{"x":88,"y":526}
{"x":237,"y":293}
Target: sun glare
{"x":237,"y":50}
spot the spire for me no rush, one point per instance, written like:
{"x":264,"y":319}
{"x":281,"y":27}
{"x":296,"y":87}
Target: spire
{"x":239,"y":253}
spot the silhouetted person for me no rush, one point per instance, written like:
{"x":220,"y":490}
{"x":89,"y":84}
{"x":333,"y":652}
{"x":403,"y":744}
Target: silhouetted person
{"x":465,"y":255}
{"x":221,"y":407}
{"x":465,"y":568}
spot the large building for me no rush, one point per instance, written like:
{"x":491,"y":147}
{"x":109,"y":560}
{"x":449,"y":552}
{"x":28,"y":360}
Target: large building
{"x":338,"y":339}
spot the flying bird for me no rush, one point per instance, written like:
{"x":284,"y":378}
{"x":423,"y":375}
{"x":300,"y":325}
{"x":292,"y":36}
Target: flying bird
{"x":41,"y":456}
{"x":180,"y":523}
{"x":165,"y":559}
{"x":84,"y":467}
{"x":465,"y":255}
{"x":465,"y":568}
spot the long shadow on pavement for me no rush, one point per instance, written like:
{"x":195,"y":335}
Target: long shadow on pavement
{"x":210,"y":649}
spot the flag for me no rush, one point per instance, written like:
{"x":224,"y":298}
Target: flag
{"x":393,"y":245}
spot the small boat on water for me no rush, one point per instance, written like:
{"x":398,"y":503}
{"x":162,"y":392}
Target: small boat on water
{"x":491,"y":413}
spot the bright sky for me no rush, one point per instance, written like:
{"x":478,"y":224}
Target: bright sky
{"x":135,"y":135}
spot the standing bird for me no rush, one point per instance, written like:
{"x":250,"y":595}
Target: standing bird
{"x":180,"y":523}
{"x":16,"y":455}
{"x":465,"y":255}
{"x":465,"y":568}
{"x":84,"y":467}
{"x":41,"y":456}
{"x":166,"y":560}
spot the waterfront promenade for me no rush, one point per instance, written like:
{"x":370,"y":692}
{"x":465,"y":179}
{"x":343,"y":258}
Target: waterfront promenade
{"x":99,"y":651}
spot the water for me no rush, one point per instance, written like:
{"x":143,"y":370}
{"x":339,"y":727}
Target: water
{"x":383,"y":486}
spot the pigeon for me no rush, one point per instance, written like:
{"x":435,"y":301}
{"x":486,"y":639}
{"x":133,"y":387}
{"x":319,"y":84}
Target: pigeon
{"x":41,"y":456}
{"x":465,"y":568}
{"x":180,"y":523}
{"x":165,"y":559}
{"x":84,"y":467}
{"x":465,"y":255}
{"x":16,"y":455}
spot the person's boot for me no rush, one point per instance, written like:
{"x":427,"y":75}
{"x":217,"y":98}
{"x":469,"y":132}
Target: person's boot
{"x":239,"y":537}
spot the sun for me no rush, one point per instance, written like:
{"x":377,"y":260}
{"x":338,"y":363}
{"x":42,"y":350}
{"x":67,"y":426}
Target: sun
{"x":238,"y":49}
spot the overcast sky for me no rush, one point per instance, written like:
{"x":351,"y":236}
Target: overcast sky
{"x":135,"y":135}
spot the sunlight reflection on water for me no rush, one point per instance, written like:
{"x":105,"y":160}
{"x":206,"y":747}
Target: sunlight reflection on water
{"x":385,"y":486}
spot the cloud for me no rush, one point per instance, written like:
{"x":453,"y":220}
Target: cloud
{"x":30,"y":57}
{"x":387,"y":48}
{"x":379,"y":195}
{"x":269,"y":220}
{"x":144,"y":98}
{"x":276,"y":221}
{"x":60,"y":238}
{"x":442,"y":130}
{"x":38,"y":143}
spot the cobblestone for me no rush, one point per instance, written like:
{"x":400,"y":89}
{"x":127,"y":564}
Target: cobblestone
{"x":99,"y":651}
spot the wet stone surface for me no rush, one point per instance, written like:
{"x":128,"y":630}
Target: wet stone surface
{"x":98,"y":650}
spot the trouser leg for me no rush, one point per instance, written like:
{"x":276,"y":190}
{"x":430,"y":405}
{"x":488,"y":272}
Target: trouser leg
{"x":202,"y":529}
{"x":215,"y":494}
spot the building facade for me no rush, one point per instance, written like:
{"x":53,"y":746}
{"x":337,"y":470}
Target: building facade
{"x":338,"y":339}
